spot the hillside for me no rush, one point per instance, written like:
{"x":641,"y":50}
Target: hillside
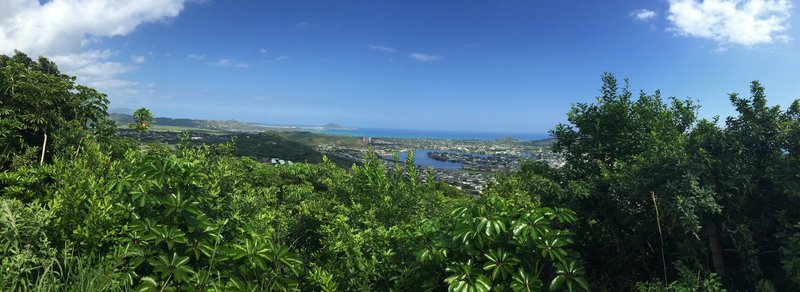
{"x":260,"y":146}
{"x":227,"y":125}
{"x":265,"y":146}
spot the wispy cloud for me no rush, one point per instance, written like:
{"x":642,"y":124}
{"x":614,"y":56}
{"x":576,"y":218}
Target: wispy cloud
{"x":231,"y":63}
{"x":263,"y":97}
{"x":424,"y":57}
{"x":195,"y":57}
{"x":744,"y":22}
{"x":282,"y":58}
{"x":643,"y":14}
{"x":382,"y":48}
{"x":303,"y":24}
{"x":263,"y":52}
{"x":95,"y":69}
{"x":138,"y":59}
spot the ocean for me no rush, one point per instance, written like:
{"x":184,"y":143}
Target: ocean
{"x":452,"y":135}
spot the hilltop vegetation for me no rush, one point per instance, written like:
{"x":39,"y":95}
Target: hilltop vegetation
{"x":288,"y":146}
{"x":194,"y":124}
{"x":650,"y":199}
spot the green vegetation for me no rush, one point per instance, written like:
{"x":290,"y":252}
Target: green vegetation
{"x":264,"y":146}
{"x":142,"y":119}
{"x":316,"y":139}
{"x":178,"y":129}
{"x":649,"y":199}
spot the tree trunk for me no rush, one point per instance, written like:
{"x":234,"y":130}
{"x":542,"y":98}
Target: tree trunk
{"x":618,"y":239}
{"x":716,"y":248}
{"x":44,"y":146}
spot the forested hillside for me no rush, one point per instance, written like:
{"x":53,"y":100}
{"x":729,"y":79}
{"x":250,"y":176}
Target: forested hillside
{"x":650,"y":199}
{"x":229,"y":125}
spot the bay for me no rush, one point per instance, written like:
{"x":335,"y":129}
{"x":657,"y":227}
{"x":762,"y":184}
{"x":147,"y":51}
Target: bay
{"x":421,"y":158}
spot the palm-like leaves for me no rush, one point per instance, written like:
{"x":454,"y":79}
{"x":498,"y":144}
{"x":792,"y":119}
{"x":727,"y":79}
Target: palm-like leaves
{"x":262,"y":255}
{"x":173,"y":267}
{"x":531,"y":243}
{"x":169,"y":235}
{"x":571,"y":274}
{"x":466,"y":279}
{"x":179,"y":205}
{"x":523,"y":282}
{"x":500,"y":263}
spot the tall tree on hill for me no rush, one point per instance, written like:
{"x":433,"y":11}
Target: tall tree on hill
{"x":42,"y":108}
{"x":756,"y":177}
{"x":727,"y":196}
{"x":625,"y":157}
{"x":142,"y":119}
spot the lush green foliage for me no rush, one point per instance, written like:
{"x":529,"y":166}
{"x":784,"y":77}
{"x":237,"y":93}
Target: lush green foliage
{"x":649,"y":199}
{"x":662,"y":195}
{"x":142,"y":118}
{"x":45,"y":113}
{"x":198,"y":218}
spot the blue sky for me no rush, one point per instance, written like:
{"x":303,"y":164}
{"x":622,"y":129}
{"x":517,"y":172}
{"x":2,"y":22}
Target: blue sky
{"x":511,"y":66}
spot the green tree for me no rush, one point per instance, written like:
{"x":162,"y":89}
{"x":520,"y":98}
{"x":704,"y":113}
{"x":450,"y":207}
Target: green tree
{"x":625,"y":157}
{"x":44,"y":111}
{"x":142,"y":118}
{"x":724,"y":194}
{"x":752,"y":167}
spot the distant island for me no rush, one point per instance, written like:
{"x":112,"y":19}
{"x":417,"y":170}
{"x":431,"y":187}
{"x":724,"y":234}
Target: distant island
{"x":334,"y":126}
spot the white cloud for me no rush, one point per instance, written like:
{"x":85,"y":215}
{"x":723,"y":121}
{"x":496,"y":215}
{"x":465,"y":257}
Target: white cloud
{"x":138,"y":59}
{"x":64,"y":26}
{"x":425,"y":57}
{"x":263,"y":52}
{"x":382,"y":48}
{"x":65,"y":31}
{"x":94,"y":69}
{"x":643,"y":14}
{"x":195,"y":57}
{"x":744,"y":22}
{"x":282,"y":58}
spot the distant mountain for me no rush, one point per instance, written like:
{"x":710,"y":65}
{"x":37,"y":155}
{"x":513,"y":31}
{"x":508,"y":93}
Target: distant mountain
{"x":229,"y":125}
{"x":122,"y":110}
{"x":334,"y":126}
{"x":121,"y":119}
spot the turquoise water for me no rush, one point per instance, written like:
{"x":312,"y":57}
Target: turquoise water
{"x":421,"y":158}
{"x":453,"y":135}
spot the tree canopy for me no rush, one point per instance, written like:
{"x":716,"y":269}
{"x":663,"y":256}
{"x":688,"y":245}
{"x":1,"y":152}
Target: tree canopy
{"x":142,"y":118}
{"x":44,"y":111}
